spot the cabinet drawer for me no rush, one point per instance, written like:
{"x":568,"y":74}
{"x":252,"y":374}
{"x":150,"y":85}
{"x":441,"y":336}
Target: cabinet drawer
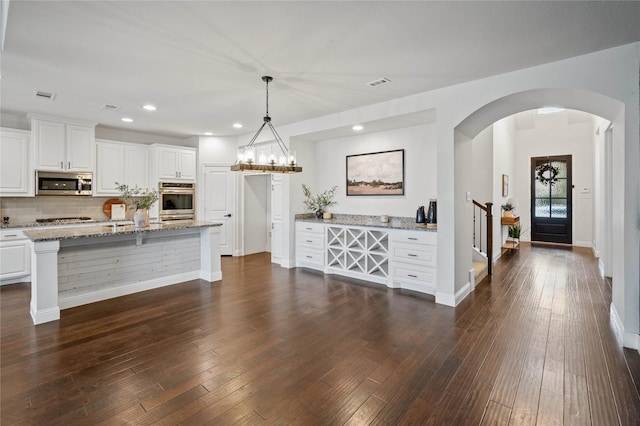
{"x":425,"y":277}
{"x":420,"y":254}
{"x":315,"y":228}
{"x":310,"y":257}
{"x":420,"y":237}
{"x":12,"y":235}
{"x":306,"y":239}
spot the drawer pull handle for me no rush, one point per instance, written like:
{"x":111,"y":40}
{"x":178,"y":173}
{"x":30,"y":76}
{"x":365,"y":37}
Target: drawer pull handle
{"x":412,"y":238}
{"x":309,"y":257}
{"x":412,"y":255}
{"x":309,"y":229}
{"x":309,"y":241}
{"x":412,"y":276}
{"x":11,"y":235}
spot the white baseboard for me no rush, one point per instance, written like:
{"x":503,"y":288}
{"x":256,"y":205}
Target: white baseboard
{"x":626,"y":339}
{"x":453,"y":300}
{"x":586,"y":244}
{"x":601,"y":267}
{"x":45,"y":315}
{"x":23,"y":279}
{"x":472,"y":279}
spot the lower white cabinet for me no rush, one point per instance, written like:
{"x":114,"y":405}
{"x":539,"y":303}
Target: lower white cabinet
{"x":15,"y":255}
{"x":394,"y":257}
{"x":310,"y":245}
{"x":413,"y":263}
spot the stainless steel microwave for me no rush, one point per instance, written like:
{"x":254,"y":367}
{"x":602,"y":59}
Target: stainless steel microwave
{"x":61,"y":183}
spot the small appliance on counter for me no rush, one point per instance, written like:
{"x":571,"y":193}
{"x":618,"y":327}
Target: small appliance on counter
{"x":432,"y":214}
{"x":420,"y":218}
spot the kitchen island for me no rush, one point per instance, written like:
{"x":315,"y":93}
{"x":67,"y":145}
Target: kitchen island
{"x":79,"y":265}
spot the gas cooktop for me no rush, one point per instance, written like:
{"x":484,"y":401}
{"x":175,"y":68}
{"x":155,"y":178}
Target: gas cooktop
{"x":63,"y":219}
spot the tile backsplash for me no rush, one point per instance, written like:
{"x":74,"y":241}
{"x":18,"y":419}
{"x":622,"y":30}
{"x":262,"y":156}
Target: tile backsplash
{"x":28,"y":209}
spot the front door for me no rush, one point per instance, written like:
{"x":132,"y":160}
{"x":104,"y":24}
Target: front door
{"x":551,"y":199}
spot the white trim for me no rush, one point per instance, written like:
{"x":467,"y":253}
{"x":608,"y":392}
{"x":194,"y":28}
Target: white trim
{"x":586,"y":244}
{"x":472,"y":279}
{"x":626,"y":339}
{"x":21,"y":279}
{"x":601,"y":267}
{"x":103,"y":294}
{"x":44,"y":315}
{"x":453,"y":299}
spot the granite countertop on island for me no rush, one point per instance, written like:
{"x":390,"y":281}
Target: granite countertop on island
{"x":395,"y":222}
{"x":103,"y":230}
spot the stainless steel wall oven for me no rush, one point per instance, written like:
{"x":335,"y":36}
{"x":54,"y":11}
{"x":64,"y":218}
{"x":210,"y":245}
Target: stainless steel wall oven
{"x":177,"y":201}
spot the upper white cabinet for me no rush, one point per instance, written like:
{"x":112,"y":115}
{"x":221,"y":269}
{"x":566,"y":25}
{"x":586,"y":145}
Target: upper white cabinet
{"x":15,"y":164}
{"x":62,"y":145}
{"x":120,"y":162}
{"x":174,"y":163}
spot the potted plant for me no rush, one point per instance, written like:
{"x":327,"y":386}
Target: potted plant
{"x":514,"y":231}
{"x":508,"y":208}
{"x":319,"y":202}
{"x":141,"y":200}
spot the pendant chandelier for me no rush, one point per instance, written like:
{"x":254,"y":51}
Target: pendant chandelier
{"x":282,"y":162}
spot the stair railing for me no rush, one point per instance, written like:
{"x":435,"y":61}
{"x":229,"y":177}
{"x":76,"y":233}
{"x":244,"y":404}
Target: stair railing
{"x":483,"y":227}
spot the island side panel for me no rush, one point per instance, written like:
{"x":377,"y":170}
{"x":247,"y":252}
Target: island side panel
{"x":210,"y":266}
{"x":101,"y":268}
{"x":44,"y":281}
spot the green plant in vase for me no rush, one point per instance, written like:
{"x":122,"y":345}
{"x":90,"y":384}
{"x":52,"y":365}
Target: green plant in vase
{"x":514,"y":231}
{"x":318,"y":202}
{"x":140,"y":200}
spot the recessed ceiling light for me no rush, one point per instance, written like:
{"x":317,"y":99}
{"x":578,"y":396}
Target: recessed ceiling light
{"x":127,"y":119}
{"x":358,"y":127}
{"x":237,"y":125}
{"x":149,"y":107}
{"x":208,"y":134}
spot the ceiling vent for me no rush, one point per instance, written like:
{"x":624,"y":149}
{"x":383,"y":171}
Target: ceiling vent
{"x":45,"y":95}
{"x":379,"y":82}
{"x":108,"y":107}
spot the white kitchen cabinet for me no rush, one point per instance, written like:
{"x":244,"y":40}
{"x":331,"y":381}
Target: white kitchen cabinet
{"x":15,"y":163}
{"x":310,"y":245}
{"x":174,"y":163}
{"x":63,"y":146}
{"x":15,"y":255}
{"x":120,"y":162}
{"x":413,"y":260}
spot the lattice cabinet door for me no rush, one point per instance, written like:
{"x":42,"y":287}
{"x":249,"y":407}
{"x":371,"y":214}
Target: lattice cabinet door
{"x":378,"y":253}
{"x":336,"y":247}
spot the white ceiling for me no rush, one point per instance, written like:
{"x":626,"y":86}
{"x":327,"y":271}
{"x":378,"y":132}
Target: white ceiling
{"x":201,"y":62}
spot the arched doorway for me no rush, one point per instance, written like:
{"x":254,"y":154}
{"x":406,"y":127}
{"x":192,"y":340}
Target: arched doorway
{"x":589,"y":102}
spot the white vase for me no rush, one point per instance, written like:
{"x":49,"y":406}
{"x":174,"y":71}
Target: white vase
{"x":141,"y":218}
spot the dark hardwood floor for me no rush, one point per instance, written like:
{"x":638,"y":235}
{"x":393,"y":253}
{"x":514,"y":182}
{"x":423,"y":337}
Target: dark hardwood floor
{"x":269,"y":345}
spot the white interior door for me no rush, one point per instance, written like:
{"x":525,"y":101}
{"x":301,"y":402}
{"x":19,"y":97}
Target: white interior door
{"x":219,"y":203}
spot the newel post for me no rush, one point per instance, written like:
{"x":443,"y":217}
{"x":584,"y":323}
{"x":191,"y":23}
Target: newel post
{"x":489,"y":238}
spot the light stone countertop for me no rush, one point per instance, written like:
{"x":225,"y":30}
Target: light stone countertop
{"x":395,"y":222}
{"x":53,"y":234}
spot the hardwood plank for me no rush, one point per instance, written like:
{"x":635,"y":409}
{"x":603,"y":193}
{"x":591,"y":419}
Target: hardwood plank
{"x":278,"y":346}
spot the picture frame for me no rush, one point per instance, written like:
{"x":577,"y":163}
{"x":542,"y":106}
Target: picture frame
{"x":375,"y":173}
{"x":505,"y":185}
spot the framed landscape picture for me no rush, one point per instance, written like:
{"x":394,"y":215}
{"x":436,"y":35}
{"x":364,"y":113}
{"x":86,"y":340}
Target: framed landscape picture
{"x":376,"y":173}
